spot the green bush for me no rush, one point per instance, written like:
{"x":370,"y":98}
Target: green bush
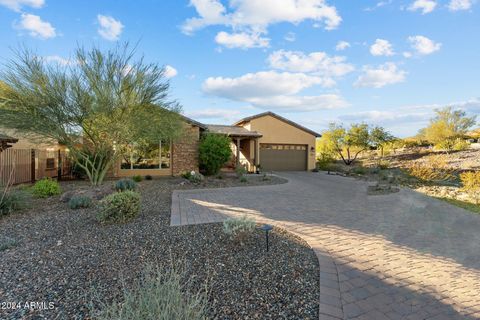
{"x":13,"y":200}
{"x":119,"y":207}
{"x":243,"y":179}
{"x":125,"y":184}
{"x":137,"y":178}
{"x":148,"y":177}
{"x":158,"y":295}
{"x":214,"y":152}
{"x":240,"y":171}
{"x":239,"y":228}
{"x":324,"y":160}
{"x":457,"y":144}
{"x":192,"y":176}
{"x":461,"y":145}
{"x":471,"y":184}
{"x":359,"y":170}
{"x":79,"y":201}
{"x":46,"y":188}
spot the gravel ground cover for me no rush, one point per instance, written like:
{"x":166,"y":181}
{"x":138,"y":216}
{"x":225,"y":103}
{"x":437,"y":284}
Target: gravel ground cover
{"x":65,"y":257}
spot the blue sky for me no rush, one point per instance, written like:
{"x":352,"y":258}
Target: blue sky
{"x":314,"y":61}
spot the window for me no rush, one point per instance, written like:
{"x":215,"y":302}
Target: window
{"x":50,"y":164}
{"x":147,"y":156}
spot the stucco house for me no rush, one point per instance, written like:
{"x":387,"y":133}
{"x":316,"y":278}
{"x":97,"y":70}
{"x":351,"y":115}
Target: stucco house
{"x":265,"y":140}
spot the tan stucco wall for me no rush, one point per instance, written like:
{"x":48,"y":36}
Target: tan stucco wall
{"x":31,"y":142}
{"x":274,"y":130}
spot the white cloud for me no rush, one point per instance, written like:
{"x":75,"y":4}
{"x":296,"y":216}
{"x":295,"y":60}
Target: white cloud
{"x":300,"y":103}
{"x":342,"y":45}
{"x":457,"y":5}
{"x":259,"y":14}
{"x":381,"y":76}
{"x":265,"y":83}
{"x":241,"y":40}
{"x":290,"y":37}
{"x":316,"y":63}
{"x":381,"y":47}
{"x":407,"y":54}
{"x":423,"y":45}
{"x":60,"y":60}
{"x":36,"y":27}
{"x":17,"y":5}
{"x":426,"y":6}
{"x":378,"y":5}
{"x":270,"y":89}
{"x":110,"y":28}
{"x":170,"y":71}
{"x":254,"y":17}
{"x":209,"y":113}
{"x":406,"y":120}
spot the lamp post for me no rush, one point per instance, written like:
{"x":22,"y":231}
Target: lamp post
{"x":266,"y":228}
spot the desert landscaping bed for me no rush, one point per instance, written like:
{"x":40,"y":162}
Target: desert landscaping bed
{"x":66,"y":257}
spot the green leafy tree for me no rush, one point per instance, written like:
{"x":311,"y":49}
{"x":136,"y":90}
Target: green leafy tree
{"x":348,"y":143}
{"x":447,"y":126}
{"x":214,"y":152}
{"x":96,"y":106}
{"x":381,"y":138}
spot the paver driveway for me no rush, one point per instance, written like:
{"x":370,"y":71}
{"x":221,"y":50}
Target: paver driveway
{"x":397,"y":256}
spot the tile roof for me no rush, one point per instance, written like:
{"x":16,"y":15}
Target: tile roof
{"x":232,"y":131}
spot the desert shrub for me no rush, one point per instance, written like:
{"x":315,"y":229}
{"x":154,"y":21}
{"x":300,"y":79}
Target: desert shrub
{"x":13,"y":200}
{"x":7,"y":243}
{"x":214,"y":152}
{"x":383,"y":164}
{"x":192,"y":176}
{"x":240,"y":171}
{"x":125,"y":184}
{"x":79,"y":201}
{"x":457,"y":144}
{"x":239,"y":228}
{"x":148,"y":177}
{"x":119,"y":207}
{"x":359,"y":170}
{"x":158,"y":295}
{"x":461,"y":145}
{"x":137,"y":178}
{"x":243,"y":179}
{"x":46,"y":188}
{"x":374,"y":170}
{"x":220,"y":176}
{"x":325,"y":158}
{"x":435,"y":168}
{"x":471,"y":184}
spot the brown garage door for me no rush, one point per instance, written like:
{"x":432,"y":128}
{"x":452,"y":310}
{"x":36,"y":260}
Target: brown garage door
{"x":283,"y":157}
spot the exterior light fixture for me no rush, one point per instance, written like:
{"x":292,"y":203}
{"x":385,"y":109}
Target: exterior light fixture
{"x":266,"y":228}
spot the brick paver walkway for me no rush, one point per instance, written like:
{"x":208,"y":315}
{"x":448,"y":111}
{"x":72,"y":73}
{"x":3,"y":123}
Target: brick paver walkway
{"x":397,"y":256}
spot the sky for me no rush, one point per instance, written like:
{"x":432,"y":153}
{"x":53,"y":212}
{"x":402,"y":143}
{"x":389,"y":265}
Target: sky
{"x":388,"y":63}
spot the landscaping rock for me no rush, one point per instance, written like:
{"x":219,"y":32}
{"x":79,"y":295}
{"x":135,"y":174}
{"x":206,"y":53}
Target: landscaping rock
{"x":97,"y":193}
{"x":73,"y":261}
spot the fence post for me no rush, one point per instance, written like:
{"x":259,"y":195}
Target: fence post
{"x":32,"y":165}
{"x":60,"y":164}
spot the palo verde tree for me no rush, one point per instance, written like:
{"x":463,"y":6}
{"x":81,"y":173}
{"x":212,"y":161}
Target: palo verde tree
{"x":348,"y":143}
{"x":447,"y":126}
{"x":380,"y":137}
{"x":97,"y":106}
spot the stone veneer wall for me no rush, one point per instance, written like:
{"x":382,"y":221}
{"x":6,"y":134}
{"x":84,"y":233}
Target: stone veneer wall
{"x":185,"y":151}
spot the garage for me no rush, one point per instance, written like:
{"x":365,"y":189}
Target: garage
{"x":283,"y":157}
